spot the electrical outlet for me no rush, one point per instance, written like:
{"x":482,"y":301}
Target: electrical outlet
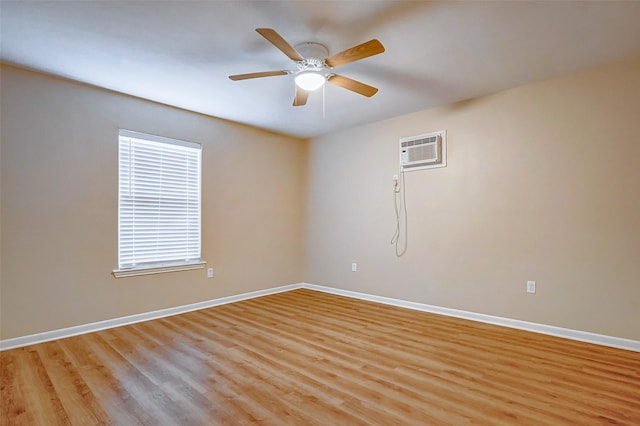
{"x":354,"y":267}
{"x":396,"y":187}
{"x":531,"y":286}
{"x":209,"y":272}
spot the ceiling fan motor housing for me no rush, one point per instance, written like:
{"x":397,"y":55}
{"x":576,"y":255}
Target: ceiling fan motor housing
{"x":311,"y":64}
{"x":314,"y":55}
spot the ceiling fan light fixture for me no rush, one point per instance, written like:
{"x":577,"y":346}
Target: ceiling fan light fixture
{"x":310,"y":80}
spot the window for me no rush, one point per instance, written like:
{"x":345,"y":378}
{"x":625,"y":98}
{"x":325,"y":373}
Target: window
{"x":158,"y":205}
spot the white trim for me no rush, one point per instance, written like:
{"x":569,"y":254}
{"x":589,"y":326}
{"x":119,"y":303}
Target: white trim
{"x":155,"y":138}
{"x":583,"y":336}
{"x":62,"y":333}
{"x":133,"y":272}
{"x":567,"y":333}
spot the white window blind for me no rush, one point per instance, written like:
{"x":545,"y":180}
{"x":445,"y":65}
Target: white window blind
{"x":158,"y":202}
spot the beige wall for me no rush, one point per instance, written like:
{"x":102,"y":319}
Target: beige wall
{"x":59,"y":206}
{"x":542,"y":183}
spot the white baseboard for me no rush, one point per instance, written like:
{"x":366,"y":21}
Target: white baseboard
{"x":567,"y":333}
{"x":47,"y":336}
{"x":599,"y":339}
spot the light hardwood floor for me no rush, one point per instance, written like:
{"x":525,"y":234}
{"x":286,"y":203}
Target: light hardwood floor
{"x":306,"y":358}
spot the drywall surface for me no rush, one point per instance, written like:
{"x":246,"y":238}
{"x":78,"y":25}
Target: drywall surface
{"x":59,"y":158}
{"x":542,"y":183}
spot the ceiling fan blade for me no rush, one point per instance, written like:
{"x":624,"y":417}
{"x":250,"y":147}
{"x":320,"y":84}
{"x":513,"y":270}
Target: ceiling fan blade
{"x":353,"y":85}
{"x":257,"y":75}
{"x":361,"y":51}
{"x":276,"y":39}
{"x":301,"y":97}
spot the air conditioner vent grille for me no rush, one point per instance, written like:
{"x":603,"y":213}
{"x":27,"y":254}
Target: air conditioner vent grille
{"x":423,"y":141}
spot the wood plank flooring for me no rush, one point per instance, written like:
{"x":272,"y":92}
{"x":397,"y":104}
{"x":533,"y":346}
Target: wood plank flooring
{"x":310,"y":358}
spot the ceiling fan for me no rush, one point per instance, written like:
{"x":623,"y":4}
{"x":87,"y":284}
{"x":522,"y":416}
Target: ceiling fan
{"x":314,"y":66}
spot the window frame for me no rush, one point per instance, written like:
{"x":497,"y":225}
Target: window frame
{"x":159,"y":266}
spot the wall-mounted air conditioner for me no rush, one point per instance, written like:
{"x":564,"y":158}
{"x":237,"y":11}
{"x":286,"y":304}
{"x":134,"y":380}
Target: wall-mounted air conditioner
{"x":424,"y":151}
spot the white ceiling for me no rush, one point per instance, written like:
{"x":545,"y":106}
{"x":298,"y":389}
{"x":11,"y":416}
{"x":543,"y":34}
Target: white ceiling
{"x":181,"y":52}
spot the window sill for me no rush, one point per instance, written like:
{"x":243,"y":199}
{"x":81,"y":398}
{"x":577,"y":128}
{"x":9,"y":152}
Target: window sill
{"x":160,"y":269}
